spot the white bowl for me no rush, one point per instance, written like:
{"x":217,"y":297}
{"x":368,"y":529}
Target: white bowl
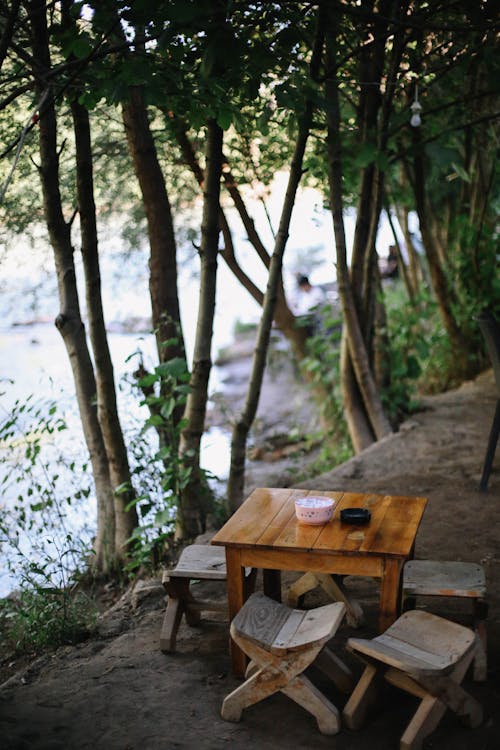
{"x":314,"y":509}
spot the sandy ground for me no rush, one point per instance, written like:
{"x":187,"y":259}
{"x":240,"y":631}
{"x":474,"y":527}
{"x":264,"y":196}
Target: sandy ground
{"x":119,"y":692}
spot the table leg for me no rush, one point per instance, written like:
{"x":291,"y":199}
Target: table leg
{"x":390,"y":593}
{"x":235,"y":600}
{"x":271,"y":583}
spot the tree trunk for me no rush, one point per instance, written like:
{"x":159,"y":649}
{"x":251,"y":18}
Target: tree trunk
{"x":191,"y":511}
{"x":107,"y":412}
{"x":68,"y":321}
{"x":284,"y":318}
{"x":358,"y":353}
{"x":242,"y":427}
{"x":163,"y":250}
{"x":10,"y":18}
{"x":415,"y":271}
{"x":402,"y":267}
{"x":444,"y":295}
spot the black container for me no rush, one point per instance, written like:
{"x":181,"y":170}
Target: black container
{"x":357,"y":516}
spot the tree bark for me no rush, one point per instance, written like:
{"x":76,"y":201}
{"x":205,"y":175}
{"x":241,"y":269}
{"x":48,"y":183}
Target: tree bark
{"x":191,"y":511}
{"x":69,"y":321}
{"x":163,"y":250}
{"x":357,"y":349}
{"x":107,"y":411}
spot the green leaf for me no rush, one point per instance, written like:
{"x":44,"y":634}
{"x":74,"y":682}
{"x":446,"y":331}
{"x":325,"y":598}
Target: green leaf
{"x":163,"y":517}
{"x":81,"y":46}
{"x":123,"y":488}
{"x":174,"y":368}
{"x":148,"y":380}
{"x":168,"y":407}
{"x":460,"y":172}
{"x":224,"y":117}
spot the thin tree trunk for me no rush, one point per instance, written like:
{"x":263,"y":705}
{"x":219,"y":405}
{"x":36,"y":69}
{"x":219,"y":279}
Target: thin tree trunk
{"x":356,"y":344}
{"x":107,"y":411}
{"x":69,"y":321}
{"x":191,"y":511}
{"x":284,"y":318}
{"x":8,"y":29}
{"x":444,"y":294}
{"x":163,"y":250}
{"x":235,"y":486}
{"x":415,"y":273}
{"x":402,"y":267}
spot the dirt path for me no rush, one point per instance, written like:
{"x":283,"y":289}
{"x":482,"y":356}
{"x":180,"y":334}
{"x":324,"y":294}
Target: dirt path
{"x":119,"y":692}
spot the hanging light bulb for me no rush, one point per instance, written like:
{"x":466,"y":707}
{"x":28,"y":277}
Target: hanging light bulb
{"x":416,"y":109}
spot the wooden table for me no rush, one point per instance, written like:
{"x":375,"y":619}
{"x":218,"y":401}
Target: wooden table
{"x":264,"y":533}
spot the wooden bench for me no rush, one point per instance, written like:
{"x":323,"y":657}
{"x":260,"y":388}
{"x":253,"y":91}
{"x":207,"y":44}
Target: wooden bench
{"x":198,"y":562}
{"x":426,"y":656}
{"x":461,"y":580}
{"x":281,"y":643}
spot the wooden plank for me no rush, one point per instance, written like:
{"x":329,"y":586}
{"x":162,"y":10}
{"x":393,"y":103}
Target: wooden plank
{"x":432,"y":633}
{"x":241,"y":529}
{"x":376,"y":528}
{"x":297,"y":560}
{"x":391,"y":652}
{"x":351,"y":538}
{"x":283,"y":518}
{"x":444,"y":578}
{"x":201,"y":561}
{"x":292,"y":533}
{"x":261,"y":619}
{"x":319,"y":624}
{"x":397,"y":531}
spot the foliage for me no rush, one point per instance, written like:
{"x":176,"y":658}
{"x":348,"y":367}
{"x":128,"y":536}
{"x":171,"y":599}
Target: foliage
{"x":420,"y":355}
{"x":474,"y":272}
{"x":159,"y":475}
{"x":322,"y":366}
{"x":42,"y":616}
{"x":41,"y":492}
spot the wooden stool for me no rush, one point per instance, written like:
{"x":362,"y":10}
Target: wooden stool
{"x":455,"y":579}
{"x":425,"y":655}
{"x":197,"y":562}
{"x":281,"y":643}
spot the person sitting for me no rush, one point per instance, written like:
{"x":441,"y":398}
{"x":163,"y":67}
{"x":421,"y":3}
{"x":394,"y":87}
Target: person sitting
{"x":390,"y":269}
{"x":307,"y":303}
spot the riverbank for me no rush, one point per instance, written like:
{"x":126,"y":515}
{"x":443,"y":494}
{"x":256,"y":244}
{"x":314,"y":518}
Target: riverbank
{"x":285,"y":438}
{"x":117,"y":690}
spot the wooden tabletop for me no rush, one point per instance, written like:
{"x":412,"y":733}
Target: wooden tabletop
{"x":266,"y":520}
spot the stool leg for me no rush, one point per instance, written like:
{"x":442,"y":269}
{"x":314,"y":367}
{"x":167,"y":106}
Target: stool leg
{"x":260,"y":685}
{"x":170,"y":625}
{"x":490,"y":450}
{"x":335,"y":669}
{"x":480,"y":663}
{"x":362,"y":697}
{"x":303,"y":692}
{"x":424,"y":721}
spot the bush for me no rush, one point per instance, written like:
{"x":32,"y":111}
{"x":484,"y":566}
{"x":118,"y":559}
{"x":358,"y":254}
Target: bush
{"x":42,"y":536}
{"x":43,"y":617}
